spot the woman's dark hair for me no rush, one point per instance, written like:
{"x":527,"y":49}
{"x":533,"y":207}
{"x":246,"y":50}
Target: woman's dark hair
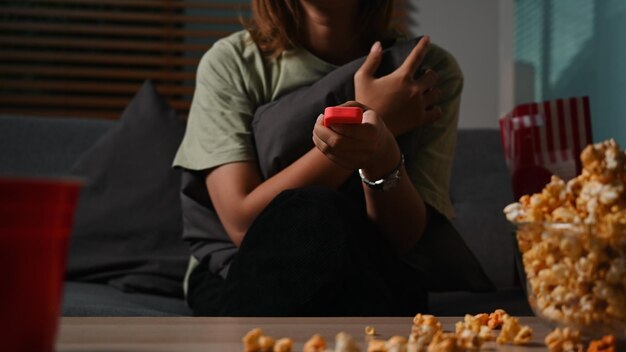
{"x":274,"y":23}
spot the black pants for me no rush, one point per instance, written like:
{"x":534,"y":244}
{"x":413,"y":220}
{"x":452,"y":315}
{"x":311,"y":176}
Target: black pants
{"x":311,"y":252}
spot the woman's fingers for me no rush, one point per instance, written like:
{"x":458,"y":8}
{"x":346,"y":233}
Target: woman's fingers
{"x":326,"y":139}
{"x":415,"y":57}
{"x":427,"y":81}
{"x":349,"y":145}
{"x":431,"y":97}
{"x":347,"y":156}
{"x":432,"y":114}
{"x":362,"y":132}
{"x":371,"y":63}
{"x":347,"y":134}
{"x":324,"y":148}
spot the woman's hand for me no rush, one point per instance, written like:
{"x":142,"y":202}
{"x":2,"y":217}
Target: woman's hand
{"x":404,"y":102}
{"x":399,"y":212}
{"x":369,"y":145}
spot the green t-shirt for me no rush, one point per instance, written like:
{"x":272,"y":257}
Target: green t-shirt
{"x":234,"y":78}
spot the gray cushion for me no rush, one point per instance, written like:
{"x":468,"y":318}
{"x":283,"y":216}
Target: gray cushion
{"x":46,"y":146}
{"x":86,"y":299}
{"x":480,"y":188}
{"x":128,"y":220}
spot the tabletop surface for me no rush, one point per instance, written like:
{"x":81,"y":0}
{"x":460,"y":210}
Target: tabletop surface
{"x":224,"y":334}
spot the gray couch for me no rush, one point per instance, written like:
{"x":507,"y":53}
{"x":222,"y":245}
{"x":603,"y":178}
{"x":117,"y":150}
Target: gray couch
{"x":480,"y":189}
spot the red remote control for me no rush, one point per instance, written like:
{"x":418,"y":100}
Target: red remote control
{"x":342,"y":114}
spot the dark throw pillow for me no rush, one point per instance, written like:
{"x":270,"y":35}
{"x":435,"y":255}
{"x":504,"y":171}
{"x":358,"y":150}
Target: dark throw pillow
{"x":282,"y":131}
{"x":128,"y":223}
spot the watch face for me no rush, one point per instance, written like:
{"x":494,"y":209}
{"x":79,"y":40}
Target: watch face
{"x":390,"y":182}
{"x":386,"y":183}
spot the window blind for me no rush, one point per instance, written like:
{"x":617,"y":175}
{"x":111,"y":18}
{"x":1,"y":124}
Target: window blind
{"x":86,"y":58}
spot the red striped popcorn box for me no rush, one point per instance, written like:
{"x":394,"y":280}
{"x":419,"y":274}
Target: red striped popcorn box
{"x":541,"y":139}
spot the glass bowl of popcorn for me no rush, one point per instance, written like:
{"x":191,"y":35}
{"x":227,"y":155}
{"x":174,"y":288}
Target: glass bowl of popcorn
{"x":575,"y":275}
{"x":572,"y":242}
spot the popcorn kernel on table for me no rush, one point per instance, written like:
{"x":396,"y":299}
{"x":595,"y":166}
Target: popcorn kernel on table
{"x":266,"y":343}
{"x":370,"y":331}
{"x":472,"y":322}
{"x":283,"y":345}
{"x":523,"y":336}
{"x":315,"y":344}
{"x":468,"y":340}
{"x":344,"y":342}
{"x":425,"y":319}
{"x":251,"y":340}
{"x":606,"y":344}
{"x":376,"y":345}
{"x":424,"y":328}
{"x":396,"y":344}
{"x":514,"y":333}
{"x":444,"y":342}
{"x":564,"y":340}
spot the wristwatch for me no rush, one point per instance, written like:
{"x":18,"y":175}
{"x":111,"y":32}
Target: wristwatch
{"x":386,"y":183}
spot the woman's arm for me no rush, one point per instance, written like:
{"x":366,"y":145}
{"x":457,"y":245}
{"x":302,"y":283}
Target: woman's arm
{"x":239,"y":194}
{"x":405,"y":104}
{"x":399,"y":212}
{"x":430,"y":103}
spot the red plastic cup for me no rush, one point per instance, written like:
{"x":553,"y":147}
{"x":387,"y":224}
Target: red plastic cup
{"x":36,"y":217}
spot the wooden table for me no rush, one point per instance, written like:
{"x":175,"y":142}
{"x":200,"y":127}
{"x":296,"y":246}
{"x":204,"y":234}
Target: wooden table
{"x":224,"y":334}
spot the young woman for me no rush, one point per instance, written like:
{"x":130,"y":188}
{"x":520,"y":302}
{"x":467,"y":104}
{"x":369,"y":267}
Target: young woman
{"x":298,"y":243}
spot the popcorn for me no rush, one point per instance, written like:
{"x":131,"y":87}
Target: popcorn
{"x":469,"y":340}
{"x":427,"y":335}
{"x":370,"y":331}
{"x":376,"y":345}
{"x":471,"y":322}
{"x":396,"y":344}
{"x":565,"y":340}
{"x":481,"y":319}
{"x":514,"y":333}
{"x":251,"y":340}
{"x":255,"y":341}
{"x":474,"y":330}
{"x":606,"y":344}
{"x":515,"y":212}
{"x":573,"y":241}
{"x":586,"y":198}
{"x":444,"y":342}
{"x":345,"y":343}
{"x":315,"y":344}
{"x":285,"y":345}
{"x":523,"y":336}
{"x":424,"y":328}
